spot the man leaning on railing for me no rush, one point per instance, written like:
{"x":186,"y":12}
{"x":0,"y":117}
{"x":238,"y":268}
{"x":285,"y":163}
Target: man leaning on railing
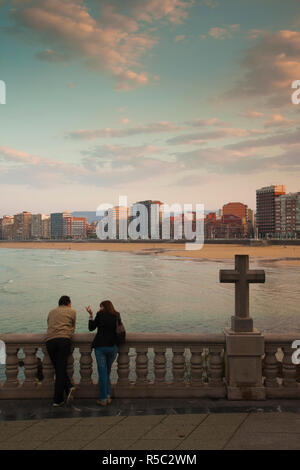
{"x":61,"y":327}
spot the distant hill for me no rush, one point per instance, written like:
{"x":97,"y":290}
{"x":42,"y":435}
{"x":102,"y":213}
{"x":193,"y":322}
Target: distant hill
{"x":90,"y":215}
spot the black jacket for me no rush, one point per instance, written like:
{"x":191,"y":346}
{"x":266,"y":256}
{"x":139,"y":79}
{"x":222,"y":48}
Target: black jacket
{"x":106,"y":333}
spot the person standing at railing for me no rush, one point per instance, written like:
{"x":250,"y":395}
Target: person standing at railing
{"x":105,"y":345}
{"x":61,"y":326}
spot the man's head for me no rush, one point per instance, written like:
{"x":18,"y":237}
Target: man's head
{"x":64,"y":301}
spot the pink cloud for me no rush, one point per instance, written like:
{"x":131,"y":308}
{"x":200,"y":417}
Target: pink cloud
{"x":277,"y":120}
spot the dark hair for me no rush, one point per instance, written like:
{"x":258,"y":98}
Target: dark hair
{"x":108,"y":307}
{"x":64,"y":300}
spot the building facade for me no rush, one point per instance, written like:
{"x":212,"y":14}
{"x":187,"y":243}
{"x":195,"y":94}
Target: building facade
{"x":57,"y":224}
{"x":74,"y":227}
{"x":22,"y":226}
{"x":287,"y":216}
{"x":265,"y":209}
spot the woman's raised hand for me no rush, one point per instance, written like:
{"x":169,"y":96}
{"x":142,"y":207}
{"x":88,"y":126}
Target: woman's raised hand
{"x":89,"y":310}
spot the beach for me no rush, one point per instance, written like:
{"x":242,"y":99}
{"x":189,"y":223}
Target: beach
{"x":279,"y":254}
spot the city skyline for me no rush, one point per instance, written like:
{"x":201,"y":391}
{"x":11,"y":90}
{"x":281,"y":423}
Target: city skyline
{"x":189,"y":100}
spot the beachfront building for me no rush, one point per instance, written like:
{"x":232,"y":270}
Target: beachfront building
{"x":150,"y":220}
{"x":37,"y":226}
{"x":57,"y":224}
{"x":225,"y":226}
{"x":22,"y":226}
{"x":265,"y":209}
{"x":7,"y":223}
{"x":244,"y":213}
{"x":74,"y":227}
{"x":46,"y":227}
{"x":287,"y":216}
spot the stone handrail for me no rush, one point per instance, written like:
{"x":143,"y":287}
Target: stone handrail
{"x":194,"y":361}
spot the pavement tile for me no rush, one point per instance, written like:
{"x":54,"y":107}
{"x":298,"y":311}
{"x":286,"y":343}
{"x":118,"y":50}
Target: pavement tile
{"x":211,"y":437}
{"x":188,"y":419}
{"x":78,"y":432}
{"x":228,"y":419}
{"x":101,"y":421}
{"x":264,"y":441}
{"x":192,"y":444}
{"x":62,"y":445}
{"x":272,"y":422}
{"x":132,"y":431}
{"x":170,"y":431}
{"x":69,"y":421}
{"x":109,"y":444}
{"x":31,"y":434}
{"x":23,"y":445}
{"x":155,"y":444}
{"x":148,"y":420}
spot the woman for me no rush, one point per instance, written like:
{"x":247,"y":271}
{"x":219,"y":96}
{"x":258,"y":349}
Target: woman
{"x":105,"y":345}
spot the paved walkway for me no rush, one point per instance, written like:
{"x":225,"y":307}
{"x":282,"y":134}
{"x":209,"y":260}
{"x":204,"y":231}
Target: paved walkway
{"x":235,"y":429}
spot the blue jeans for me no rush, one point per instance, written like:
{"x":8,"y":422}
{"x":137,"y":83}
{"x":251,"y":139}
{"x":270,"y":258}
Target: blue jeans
{"x":105,"y":356}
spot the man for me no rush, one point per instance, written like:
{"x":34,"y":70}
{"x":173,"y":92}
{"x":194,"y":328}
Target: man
{"x":61,"y":327}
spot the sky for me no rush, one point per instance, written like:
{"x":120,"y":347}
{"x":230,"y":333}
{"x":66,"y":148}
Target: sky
{"x":183,"y":101}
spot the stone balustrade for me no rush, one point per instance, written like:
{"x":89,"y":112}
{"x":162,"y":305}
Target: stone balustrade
{"x":149,"y":365}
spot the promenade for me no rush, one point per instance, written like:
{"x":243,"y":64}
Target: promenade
{"x":156,"y":424}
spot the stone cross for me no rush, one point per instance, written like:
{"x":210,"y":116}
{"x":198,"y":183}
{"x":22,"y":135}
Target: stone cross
{"x":242,"y":276}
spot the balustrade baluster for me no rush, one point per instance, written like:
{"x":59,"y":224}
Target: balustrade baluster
{"x":141,"y":364}
{"x":12,"y":367}
{"x":216,"y":368}
{"x":123,"y":365}
{"x":270,"y":366}
{"x":178,"y":365}
{"x":86,"y":365}
{"x":196,"y":366}
{"x":160,"y":364}
{"x":288,"y":368}
{"x":30,"y":367}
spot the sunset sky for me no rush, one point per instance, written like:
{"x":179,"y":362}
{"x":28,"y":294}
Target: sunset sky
{"x":186,"y":101}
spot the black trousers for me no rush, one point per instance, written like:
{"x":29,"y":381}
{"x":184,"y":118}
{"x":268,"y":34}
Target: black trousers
{"x":59,"y":350}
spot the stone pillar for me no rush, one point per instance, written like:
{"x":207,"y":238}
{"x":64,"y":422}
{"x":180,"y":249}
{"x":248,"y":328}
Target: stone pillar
{"x":244,"y":353}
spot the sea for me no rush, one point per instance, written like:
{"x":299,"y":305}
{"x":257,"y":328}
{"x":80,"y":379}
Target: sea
{"x":153,"y":293}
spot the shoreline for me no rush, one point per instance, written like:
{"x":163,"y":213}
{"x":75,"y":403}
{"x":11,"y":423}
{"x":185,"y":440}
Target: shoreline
{"x":279,"y":254}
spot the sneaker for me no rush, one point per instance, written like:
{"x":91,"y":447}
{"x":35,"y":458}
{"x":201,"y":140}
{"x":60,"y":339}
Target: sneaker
{"x":108,"y":400}
{"x":58,"y":404}
{"x":70,"y":394}
{"x":102,"y":402}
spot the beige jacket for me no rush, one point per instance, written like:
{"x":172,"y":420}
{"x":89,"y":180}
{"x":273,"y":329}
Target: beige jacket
{"x":61,"y":323}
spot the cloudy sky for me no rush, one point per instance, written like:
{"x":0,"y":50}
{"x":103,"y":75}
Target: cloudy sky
{"x":186,"y":101}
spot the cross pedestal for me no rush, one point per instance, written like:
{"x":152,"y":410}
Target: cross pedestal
{"x":244,"y":344}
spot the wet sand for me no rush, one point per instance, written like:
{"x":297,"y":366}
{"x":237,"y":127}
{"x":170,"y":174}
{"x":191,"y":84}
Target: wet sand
{"x":279,"y":254}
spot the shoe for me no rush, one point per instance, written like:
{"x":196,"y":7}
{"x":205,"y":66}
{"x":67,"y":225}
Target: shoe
{"x":70,"y":394}
{"x":101,"y":402}
{"x":58,"y":404}
{"x":108,"y":400}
